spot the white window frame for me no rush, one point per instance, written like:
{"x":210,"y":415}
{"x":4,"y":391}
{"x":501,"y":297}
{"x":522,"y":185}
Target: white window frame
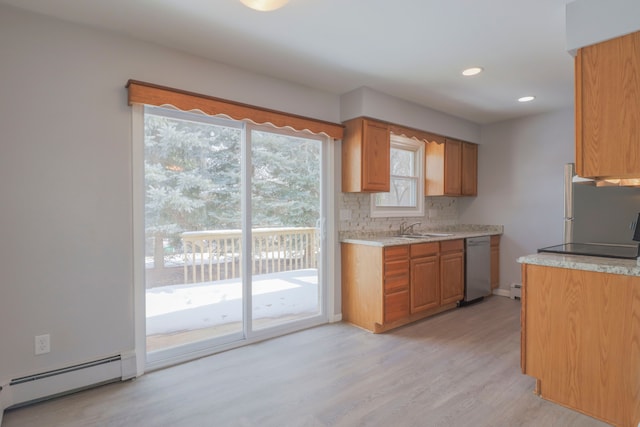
{"x":409,"y":144}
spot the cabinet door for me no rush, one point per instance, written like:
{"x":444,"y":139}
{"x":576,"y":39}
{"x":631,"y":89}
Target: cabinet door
{"x":452,"y":168}
{"x":607,"y":108}
{"x":425,"y":290}
{"x":469,"y":169}
{"x":434,"y":169}
{"x":376,"y":149}
{"x":396,"y":306}
{"x":365,"y":156}
{"x":495,"y":262}
{"x":451,"y":277}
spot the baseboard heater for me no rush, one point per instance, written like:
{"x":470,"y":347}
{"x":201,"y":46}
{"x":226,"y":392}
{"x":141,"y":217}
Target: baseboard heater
{"x":516,"y":291}
{"x":33,"y":388}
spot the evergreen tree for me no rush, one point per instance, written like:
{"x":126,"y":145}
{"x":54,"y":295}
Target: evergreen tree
{"x":193,"y":172}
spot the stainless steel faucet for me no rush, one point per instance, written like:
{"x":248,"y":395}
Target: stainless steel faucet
{"x":407,"y":229}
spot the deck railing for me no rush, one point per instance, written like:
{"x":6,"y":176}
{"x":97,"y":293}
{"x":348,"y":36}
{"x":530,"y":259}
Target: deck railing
{"x":215,"y":254}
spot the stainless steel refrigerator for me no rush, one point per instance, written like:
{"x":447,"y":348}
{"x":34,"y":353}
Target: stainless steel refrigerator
{"x":598,"y":214}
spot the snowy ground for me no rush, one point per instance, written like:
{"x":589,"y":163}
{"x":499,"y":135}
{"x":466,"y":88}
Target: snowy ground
{"x":194,"y":306}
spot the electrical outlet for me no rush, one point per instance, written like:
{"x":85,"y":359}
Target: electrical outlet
{"x":43,"y":344}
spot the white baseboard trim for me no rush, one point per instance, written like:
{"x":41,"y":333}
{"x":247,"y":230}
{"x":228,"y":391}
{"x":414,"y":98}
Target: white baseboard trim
{"x":45,"y":385}
{"x":128,"y":365}
{"x":335,"y":318}
{"x":502,"y":292}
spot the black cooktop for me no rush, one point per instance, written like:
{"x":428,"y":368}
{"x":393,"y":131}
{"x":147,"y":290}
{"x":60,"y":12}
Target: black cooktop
{"x":595,"y":249}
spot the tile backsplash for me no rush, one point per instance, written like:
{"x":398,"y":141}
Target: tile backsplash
{"x":439,"y":212}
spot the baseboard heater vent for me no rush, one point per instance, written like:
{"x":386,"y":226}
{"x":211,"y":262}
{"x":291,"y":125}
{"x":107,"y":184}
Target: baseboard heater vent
{"x":46,"y":385}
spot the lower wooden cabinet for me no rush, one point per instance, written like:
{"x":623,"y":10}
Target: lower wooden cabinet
{"x":383,"y":288}
{"x":581,"y":340}
{"x":425,"y":277}
{"x":396,"y":283}
{"x":451,"y":271}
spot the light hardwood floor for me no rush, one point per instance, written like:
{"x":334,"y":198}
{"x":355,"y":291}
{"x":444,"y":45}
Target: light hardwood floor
{"x":460,"y":368}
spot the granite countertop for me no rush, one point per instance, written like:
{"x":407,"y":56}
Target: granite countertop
{"x":626,"y":267}
{"x":448,"y":233}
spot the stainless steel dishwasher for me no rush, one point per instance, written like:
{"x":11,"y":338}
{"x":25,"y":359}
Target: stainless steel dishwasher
{"x":477,"y":281}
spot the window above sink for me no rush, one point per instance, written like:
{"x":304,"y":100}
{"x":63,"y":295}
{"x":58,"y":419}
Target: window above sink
{"x":407,"y":180}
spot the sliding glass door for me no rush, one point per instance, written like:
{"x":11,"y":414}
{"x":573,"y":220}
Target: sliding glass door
{"x":285,"y":217}
{"x":232,"y":225}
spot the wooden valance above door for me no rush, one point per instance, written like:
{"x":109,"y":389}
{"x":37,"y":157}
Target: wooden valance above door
{"x":152,"y":94}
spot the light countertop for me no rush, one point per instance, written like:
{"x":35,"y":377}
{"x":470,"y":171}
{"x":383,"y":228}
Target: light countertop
{"x":626,"y":267}
{"x":391,"y":239}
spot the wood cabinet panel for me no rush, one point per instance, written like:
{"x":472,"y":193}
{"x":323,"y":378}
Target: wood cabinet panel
{"x":456,"y":245}
{"x":366,"y":156}
{"x":451,"y":169}
{"x":469,"y":169}
{"x":396,"y":306}
{"x":425,"y":284}
{"x":362,"y":285}
{"x":397,"y":267}
{"x":581,"y":340}
{"x":423,"y":249}
{"x":607,"y":91}
{"x":394,"y":253}
{"x":451,"y":277}
{"x":398,"y":282}
{"x":495,"y":262}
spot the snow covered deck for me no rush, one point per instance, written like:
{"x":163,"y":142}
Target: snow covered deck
{"x":177,"y":308}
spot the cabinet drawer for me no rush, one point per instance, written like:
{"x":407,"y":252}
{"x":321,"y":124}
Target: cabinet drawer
{"x":396,"y":283}
{"x":452,"y":245}
{"x":424,"y":249}
{"x":396,"y":306}
{"x":396,"y":268}
{"x":393,"y":253}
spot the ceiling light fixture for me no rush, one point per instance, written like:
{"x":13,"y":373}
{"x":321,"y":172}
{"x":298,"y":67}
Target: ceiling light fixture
{"x":264,"y":5}
{"x":526,"y":99}
{"x":472,"y":71}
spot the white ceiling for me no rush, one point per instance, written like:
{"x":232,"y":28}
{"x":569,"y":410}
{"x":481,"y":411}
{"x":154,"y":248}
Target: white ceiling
{"x":411,"y":49}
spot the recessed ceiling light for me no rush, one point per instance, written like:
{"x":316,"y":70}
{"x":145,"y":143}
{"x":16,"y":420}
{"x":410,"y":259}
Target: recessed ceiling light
{"x":264,"y":5}
{"x":526,"y":99}
{"x":472,"y":71}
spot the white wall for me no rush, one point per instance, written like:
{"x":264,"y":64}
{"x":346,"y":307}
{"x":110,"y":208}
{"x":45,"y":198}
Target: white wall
{"x":65,"y":183}
{"x":593,"y":21}
{"x":520,"y":184}
{"x":367,"y":102}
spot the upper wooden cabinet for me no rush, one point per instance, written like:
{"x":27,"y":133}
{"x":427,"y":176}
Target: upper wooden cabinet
{"x":451,"y":168}
{"x":469,"y":169}
{"x":366,"y":156}
{"x":607,"y":79}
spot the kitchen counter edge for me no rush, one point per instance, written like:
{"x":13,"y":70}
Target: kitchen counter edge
{"x":625,"y":267}
{"x":384,"y":241}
